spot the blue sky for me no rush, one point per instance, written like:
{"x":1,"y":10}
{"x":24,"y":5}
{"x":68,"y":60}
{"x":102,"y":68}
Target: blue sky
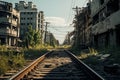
{"x":59,"y":13}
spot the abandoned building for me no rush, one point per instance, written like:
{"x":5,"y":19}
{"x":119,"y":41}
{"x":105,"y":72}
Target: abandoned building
{"x":29,"y":16}
{"x":97,"y":24}
{"x":9,"y":24}
{"x":105,"y":23}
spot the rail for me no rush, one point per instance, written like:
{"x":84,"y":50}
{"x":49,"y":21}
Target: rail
{"x":25,"y":71}
{"x":86,"y":68}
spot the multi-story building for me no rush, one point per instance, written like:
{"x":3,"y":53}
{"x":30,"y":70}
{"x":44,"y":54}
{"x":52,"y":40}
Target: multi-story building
{"x":29,"y":16}
{"x":9,"y":24}
{"x":105,"y":22}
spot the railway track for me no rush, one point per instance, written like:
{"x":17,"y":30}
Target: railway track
{"x":57,"y":65}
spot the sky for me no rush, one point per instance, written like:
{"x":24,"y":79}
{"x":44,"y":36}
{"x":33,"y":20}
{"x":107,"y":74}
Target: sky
{"x":59,"y":13}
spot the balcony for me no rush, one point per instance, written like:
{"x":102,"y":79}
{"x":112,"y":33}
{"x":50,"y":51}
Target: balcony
{"x":14,"y":22}
{"x":4,"y":19}
{"x":8,"y":20}
{"x":8,"y":32}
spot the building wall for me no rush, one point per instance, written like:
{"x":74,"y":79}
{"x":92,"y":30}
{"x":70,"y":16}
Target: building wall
{"x":28,"y":16}
{"x":104,"y":23}
{"x":9,"y":24}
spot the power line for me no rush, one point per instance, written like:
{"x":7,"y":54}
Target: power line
{"x":57,"y":29}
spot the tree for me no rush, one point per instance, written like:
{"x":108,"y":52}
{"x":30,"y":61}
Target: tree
{"x":37,"y":38}
{"x":32,"y":37}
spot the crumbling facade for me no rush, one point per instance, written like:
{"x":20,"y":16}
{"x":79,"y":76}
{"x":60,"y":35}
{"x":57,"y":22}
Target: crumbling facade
{"x":29,"y":16}
{"x":9,"y":24}
{"x":105,"y":23}
{"x":98,"y":24}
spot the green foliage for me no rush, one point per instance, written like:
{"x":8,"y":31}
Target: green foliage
{"x":3,"y":64}
{"x":32,"y":37}
{"x":10,"y":60}
{"x":37,"y":38}
{"x":13,"y":60}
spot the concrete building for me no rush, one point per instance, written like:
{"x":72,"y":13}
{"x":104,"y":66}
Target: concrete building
{"x":105,"y":23}
{"x":9,"y":24}
{"x":29,"y":15}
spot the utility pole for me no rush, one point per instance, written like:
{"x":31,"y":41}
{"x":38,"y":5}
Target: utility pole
{"x":76,"y":10}
{"x":46,"y":25}
{"x":77,"y":42}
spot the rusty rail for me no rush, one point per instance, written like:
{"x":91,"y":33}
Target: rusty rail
{"x":88,"y":71}
{"x":25,"y":71}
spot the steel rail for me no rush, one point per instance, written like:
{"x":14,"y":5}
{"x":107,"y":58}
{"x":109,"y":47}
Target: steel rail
{"x":25,"y":71}
{"x":86,"y":68}
{"x":88,"y":71}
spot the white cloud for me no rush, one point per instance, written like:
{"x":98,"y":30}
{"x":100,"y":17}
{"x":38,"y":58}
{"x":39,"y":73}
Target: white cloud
{"x":56,"y":21}
{"x":59,"y":27}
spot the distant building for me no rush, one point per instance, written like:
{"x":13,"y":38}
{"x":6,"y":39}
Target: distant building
{"x":9,"y":24}
{"x":105,"y":22}
{"x":50,"y":39}
{"x":29,"y":15}
{"x":41,"y":25}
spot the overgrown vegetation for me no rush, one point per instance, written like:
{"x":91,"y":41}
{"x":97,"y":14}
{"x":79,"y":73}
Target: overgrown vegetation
{"x":93,"y":56}
{"x":10,"y":59}
{"x":32,"y":38}
{"x":32,"y":48}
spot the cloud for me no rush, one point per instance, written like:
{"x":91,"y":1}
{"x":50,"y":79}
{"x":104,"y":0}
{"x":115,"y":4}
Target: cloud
{"x":56,"y":21}
{"x":59,"y":27}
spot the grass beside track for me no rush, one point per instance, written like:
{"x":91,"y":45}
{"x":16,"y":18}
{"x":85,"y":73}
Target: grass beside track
{"x":12,"y":60}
